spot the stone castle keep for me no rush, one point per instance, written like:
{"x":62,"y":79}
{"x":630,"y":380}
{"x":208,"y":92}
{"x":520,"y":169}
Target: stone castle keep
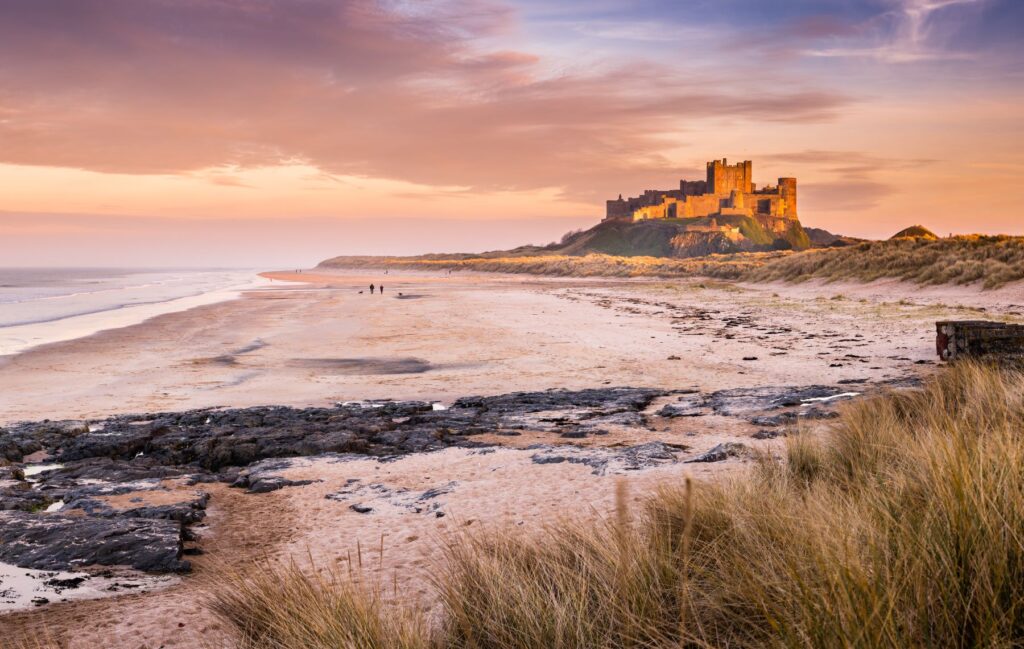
{"x":728,"y":191}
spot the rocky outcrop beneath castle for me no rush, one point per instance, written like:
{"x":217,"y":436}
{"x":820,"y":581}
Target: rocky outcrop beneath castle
{"x":679,"y":239}
{"x":700,"y":244}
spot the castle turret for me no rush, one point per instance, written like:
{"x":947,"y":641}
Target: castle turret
{"x":787,"y":192}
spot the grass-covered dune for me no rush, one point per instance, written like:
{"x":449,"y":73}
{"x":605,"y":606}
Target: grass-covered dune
{"x":991,"y":260}
{"x":903,"y":526}
{"x":732,"y":266}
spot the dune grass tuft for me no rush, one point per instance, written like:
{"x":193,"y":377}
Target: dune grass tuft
{"x":902,"y":526}
{"x":281,"y":606}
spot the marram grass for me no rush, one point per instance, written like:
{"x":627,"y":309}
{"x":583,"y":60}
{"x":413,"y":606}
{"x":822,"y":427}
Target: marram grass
{"x":902,"y":527}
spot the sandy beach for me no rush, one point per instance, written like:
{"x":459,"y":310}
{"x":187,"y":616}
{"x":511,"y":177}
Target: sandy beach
{"x":318,"y":338}
{"x":439,"y":338}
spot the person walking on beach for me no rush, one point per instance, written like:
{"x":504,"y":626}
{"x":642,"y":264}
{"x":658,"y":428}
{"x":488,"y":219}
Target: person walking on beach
{"x":371,"y":289}
{"x":382,"y":289}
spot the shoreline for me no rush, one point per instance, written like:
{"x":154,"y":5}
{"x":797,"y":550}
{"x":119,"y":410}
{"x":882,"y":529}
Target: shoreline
{"x":19,"y":338}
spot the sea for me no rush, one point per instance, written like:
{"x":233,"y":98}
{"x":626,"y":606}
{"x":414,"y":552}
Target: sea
{"x":39,"y":306}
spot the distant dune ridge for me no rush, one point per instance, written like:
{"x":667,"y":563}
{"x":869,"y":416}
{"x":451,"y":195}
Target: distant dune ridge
{"x":915,"y":232}
{"x":912,"y":255}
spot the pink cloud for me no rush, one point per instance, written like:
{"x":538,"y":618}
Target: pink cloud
{"x":390,"y":90}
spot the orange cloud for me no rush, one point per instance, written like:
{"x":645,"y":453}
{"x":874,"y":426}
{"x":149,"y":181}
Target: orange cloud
{"x":356,"y":88}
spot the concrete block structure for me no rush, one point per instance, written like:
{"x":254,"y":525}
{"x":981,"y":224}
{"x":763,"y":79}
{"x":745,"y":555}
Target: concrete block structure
{"x":728,"y":190}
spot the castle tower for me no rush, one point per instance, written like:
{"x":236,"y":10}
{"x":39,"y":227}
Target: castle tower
{"x":787,"y":191}
{"x":723,"y":178}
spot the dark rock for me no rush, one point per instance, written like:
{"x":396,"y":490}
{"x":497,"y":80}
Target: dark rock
{"x":263,"y":477}
{"x":214,"y":440}
{"x":57,"y":542}
{"x":574,"y":434}
{"x":818,"y":413}
{"x":110,"y":470}
{"x":266,"y":485}
{"x":781,"y":419}
{"x":768,"y":433}
{"x":687,"y":406}
{"x":722,"y":452}
{"x":605,"y":460}
{"x":383,"y":496}
{"x":187,"y":512}
{"x":65,"y":584}
{"x":745,"y":401}
{"x":10,"y":472}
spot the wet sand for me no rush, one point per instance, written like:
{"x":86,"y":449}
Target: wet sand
{"x":313,"y":339}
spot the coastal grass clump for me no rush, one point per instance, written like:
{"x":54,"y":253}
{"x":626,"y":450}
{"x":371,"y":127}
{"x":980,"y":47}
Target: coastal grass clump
{"x":281,"y":606}
{"x":903,"y":525}
{"x":991,"y":260}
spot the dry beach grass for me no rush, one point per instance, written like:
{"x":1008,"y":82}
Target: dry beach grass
{"x":591,"y":265}
{"x":992,"y":260}
{"x":902,"y":526}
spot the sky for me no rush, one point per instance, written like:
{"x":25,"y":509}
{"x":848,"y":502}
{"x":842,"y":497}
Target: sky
{"x":276,"y":133}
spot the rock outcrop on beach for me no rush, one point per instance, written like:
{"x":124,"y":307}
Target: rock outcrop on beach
{"x":61,"y":542}
{"x":128,"y":491}
{"x":89,"y":503}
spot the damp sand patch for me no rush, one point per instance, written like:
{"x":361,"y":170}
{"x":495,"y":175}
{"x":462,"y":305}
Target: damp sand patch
{"x":26,"y":588}
{"x":231,"y":358}
{"x":368,"y":366}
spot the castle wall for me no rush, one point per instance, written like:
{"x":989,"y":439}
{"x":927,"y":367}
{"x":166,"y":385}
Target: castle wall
{"x":693,"y":187}
{"x":704,"y":205}
{"x":728,"y":190}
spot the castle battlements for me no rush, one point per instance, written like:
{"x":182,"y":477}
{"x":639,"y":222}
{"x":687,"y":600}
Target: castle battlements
{"x":728,"y":190}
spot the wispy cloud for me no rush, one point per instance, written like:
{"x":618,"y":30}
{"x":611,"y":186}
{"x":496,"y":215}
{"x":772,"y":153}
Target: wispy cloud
{"x":904,"y":34}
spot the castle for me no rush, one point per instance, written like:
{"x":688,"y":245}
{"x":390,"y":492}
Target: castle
{"x":727,"y":192}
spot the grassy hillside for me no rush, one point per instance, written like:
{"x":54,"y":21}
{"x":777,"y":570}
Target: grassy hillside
{"x":649,"y":239}
{"x":991,"y":260}
{"x":902,"y":527}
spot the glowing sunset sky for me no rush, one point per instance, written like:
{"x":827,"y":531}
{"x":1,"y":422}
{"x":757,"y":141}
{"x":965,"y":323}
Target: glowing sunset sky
{"x":281,"y":132}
